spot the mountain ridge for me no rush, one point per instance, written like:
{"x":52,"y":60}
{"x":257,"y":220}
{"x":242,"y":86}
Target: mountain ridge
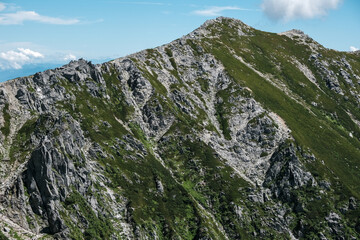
{"x":207,"y":22}
{"x":254,"y":133}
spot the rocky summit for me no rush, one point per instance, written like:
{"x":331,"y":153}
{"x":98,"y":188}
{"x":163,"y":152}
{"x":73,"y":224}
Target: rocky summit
{"x":226,"y":133}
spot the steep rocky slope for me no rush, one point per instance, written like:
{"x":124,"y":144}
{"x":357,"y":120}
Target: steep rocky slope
{"x":226,"y":133}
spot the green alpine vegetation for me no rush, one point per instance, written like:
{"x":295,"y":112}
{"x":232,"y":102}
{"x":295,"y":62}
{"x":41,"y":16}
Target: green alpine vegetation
{"x":226,"y":133}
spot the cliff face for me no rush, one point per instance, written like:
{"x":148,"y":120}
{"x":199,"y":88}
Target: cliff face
{"x":225,"y":133}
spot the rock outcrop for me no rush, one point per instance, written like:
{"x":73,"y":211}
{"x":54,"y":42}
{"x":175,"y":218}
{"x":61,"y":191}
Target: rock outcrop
{"x":225,"y":133}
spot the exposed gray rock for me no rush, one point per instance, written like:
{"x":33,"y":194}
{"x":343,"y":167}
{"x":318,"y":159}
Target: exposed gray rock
{"x":90,"y":137}
{"x":347,"y":77}
{"x":329,"y":76}
{"x":286,"y":173}
{"x":352,"y":203}
{"x":334,"y":222}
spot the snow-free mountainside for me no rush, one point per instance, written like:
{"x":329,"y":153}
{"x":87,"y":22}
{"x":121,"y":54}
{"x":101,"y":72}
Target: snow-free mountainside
{"x":226,"y":133}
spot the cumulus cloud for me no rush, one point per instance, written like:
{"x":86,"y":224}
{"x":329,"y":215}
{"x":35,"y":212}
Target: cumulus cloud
{"x":353,"y":49}
{"x":70,"y":57}
{"x":294,"y":9}
{"x":20,"y":17}
{"x":217,"y":11}
{"x":16,"y":59}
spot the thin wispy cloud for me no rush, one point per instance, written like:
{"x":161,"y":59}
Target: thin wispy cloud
{"x":287,"y":10}
{"x":144,"y":3}
{"x":86,"y":22}
{"x":15,"y":59}
{"x":20,"y":17}
{"x":2,"y":6}
{"x":69,"y":57}
{"x":217,"y":11}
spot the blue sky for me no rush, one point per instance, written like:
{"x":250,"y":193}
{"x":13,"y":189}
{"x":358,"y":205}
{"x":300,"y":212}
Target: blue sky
{"x":35,"y":35}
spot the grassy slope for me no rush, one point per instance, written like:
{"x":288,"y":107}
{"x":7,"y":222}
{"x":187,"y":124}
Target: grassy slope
{"x":172,"y":213}
{"x":323,"y":129}
{"x":327,"y":140}
{"x":178,"y":210}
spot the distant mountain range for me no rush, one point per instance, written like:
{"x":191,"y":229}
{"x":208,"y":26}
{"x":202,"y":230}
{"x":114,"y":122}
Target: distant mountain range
{"x":25,"y":71}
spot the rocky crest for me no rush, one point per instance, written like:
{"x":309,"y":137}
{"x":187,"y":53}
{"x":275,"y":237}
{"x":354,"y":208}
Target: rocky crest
{"x":225,"y":133}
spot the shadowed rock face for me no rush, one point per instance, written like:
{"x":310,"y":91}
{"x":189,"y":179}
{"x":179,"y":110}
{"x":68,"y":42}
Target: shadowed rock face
{"x":225,"y":133}
{"x":285,"y":173}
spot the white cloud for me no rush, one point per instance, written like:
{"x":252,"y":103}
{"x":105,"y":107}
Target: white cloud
{"x":2,"y":6}
{"x":217,"y":11}
{"x":16,"y":59}
{"x":30,"y":53}
{"x":144,"y":3}
{"x":293,"y":9}
{"x":70,"y":57}
{"x":353,"y":49}
{"x":20,"y":17}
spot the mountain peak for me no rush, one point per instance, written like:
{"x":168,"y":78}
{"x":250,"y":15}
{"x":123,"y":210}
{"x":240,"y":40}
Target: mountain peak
{"x":302,"y":38}
{"x":222,"y":19}
{"x":226,"y":133}
{"x":295,"y":33}
{"x":217,"y":24}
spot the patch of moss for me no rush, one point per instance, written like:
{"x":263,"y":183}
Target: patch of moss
{"x":168,"y":52}
{"x":6,"y":115}
{"x":195,"y":48}
{"x":264,"y":154}
{"x":97,"y":227}
{"x":204,"y":84}
{"x":222,"y":108}
{"x":31,"y":89}
{"x":21,"y":145}
{"x":206,"y":178}
{"x":3,"y":237}
{"x":153,"y":79}
{"x":171,"y":58}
